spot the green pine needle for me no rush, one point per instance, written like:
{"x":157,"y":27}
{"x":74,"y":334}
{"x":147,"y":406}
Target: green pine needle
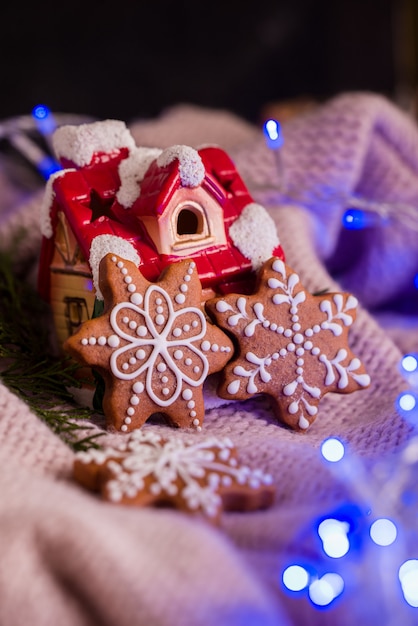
{"x":27,"y":366}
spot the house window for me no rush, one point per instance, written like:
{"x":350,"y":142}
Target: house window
{"x":75,"y":312}
{"x":190,"y":226}
{"x":189,"y":222}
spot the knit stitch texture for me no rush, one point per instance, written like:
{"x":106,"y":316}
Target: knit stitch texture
{"x":69,"y":559}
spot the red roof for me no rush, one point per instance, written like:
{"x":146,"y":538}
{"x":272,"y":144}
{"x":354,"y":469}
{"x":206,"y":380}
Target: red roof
{"x":87,"y":197}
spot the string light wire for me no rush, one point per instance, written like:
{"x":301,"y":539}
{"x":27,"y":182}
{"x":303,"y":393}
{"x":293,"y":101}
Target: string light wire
{"x":21,"y":132}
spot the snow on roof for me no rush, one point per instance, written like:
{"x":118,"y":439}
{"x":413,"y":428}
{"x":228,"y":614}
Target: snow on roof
{"x":131,"y":173}
{"x":105,"y":244}
{"x":254,"y":234}
{"x":191,"y":168}
{"x":79,"y":143}
{"x":48,"y":197}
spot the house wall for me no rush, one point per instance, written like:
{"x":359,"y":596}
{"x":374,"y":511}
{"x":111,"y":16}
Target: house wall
{"x":71,"y":290}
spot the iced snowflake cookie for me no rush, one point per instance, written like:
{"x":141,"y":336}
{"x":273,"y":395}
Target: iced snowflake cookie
{"x":153,"y":345}
{"x":293,"y":346}
{"x":195,"y":476}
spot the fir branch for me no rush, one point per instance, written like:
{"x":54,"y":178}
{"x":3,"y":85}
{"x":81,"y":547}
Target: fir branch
{"x":27,"y":366}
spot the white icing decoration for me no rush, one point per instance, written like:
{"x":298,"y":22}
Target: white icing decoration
{"x":191,"y":168}
{"x":223,"y":306}
{"x":47,"y":202}
{"x":201,"y":465}
{"x":303,"y":422}
{"x":131,"y":173}
{"x":362,"y":379}
{"x":233,"y":387}
{"x":157,"y":348}
{"x":303,"y":397}
{"x":340,"y":314}
{"x":254,"y":234}
{"x":105,"y":244}
{"x":80,"y":142}
{"x":259,"y":370}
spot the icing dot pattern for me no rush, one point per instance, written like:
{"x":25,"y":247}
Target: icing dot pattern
{"x":283,"y":328}
{"x":151,"y":337}
{"x":195,"y":476}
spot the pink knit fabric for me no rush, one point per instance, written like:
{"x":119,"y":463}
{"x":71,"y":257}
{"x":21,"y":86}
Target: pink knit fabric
{"x":69,"y":559}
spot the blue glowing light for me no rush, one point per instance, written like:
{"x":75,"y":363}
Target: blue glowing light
{"x":357,"y":219}
{"x":40,"y":112}
{"x":409,"y":363}
{"x":332,"y":449}
{"x":44,"y":119}
{"x":416,"y":281}
{"x":295,"y":578}
{"x":408,"y":576}
{"x":407,"y":406}
{"x":273,"y":133}
{"x":407,"y":401}
{"x":324,"y":590}
{"x":383,"y":532}
{"x":48,"y":166}
{"x":333,"y":534}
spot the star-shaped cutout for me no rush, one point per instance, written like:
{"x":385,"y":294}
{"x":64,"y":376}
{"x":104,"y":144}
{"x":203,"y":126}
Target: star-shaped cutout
{"x":292,"y":346}
{"x":153,"y":345}
{"x":196,"y":476}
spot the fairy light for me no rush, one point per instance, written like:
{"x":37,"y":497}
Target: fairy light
{"x":44,"y":119}
{"x":333,"y":534}
{"x":349,"y":540}
{"x":332,"y":449}
{"x":273,"y":134}
{"x":383,"y":532}
{"x":407,"y":401}
{"x":358,"y":219}
{"x":409,"y":363}
{"x":408,"y":577}
{"x":295,"y":578}
{"x":325,"y":589}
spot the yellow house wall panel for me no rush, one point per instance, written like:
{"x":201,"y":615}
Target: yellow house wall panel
{"x":64,"y":286}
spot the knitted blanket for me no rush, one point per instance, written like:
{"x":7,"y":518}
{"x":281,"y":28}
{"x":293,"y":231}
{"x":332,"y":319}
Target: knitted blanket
{"x":68,"y":558}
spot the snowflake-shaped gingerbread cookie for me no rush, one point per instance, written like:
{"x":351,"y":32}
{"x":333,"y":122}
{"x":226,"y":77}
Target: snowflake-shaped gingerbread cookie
{"x":195,"y":476}
{"x":153,"y":345}
{"x":293,"y":346}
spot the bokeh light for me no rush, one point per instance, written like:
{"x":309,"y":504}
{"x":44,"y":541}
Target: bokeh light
{"x":332,"y":449}
{"x":273,"y":133}
{"x":295,"y":578}
{"x":334,"y":537}
{"x":383,"y":532}
{"x":407,"y":401}
{"x":409,"y":363}
{"x":324,"y":590}
{"x":408,"y":576}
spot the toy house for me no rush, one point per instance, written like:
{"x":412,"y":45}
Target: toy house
{"x":155,"y":206}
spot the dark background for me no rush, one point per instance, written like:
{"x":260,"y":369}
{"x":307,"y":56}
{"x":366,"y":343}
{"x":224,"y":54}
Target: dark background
{"x":127,"y":60}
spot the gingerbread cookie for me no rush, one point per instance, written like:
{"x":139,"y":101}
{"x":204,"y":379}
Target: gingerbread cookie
{"x":292,"y":346}
{"x":197,"y":476}
{"x":153,"y":345}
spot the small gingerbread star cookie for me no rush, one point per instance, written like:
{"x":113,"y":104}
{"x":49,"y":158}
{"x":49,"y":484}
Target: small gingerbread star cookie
{"x":293,"y":346}
{"x":153,"y":345}
{"x":196,"y":476}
